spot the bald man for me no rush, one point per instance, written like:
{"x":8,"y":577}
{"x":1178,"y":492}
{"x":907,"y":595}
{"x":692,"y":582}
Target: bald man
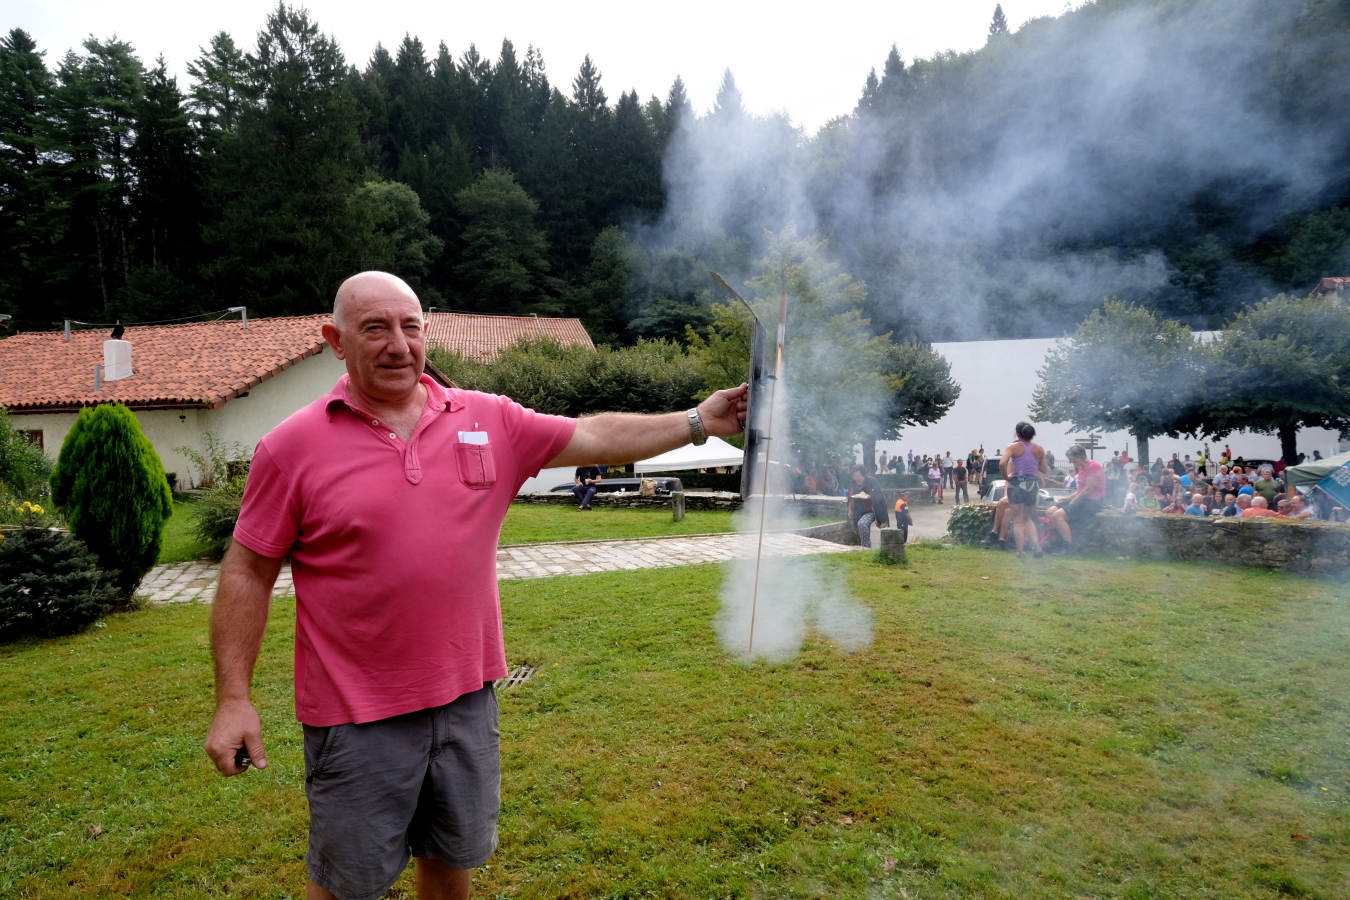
{"x":388,"y":494}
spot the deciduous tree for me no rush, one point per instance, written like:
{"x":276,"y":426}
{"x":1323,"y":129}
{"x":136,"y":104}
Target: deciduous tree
{"x":1279,"y":366}
{"x":1123,"y":369}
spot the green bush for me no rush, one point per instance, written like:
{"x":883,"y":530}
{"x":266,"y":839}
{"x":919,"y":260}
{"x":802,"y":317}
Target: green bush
{"x":652,"y":376}
{"x":24,"y":469}
{"x":215,"y":465}
{"x":968,"y":524}
{"x":217,"y":510}
{"x":50,"y":584}
{"x":110,"y":486}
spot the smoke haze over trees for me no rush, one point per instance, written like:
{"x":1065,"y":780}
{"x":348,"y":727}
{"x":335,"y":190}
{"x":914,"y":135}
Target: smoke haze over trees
{"x":1189,"y":157}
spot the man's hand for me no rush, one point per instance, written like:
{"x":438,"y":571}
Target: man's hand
{"x":236,"y":725}
{"x":723,"y":413}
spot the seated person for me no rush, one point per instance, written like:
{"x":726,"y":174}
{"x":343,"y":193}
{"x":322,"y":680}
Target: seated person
{"x":1222,"y":481}
{"x":1002,"y":524}
{"x":1258,"y":509}
{"x":1230,"y":507}
{"x":866,"y":505}
{"x":584,"y":484}
{"x":1300,"y":508}
{"x":1086,"y":501}
{"x":1197,"y":506}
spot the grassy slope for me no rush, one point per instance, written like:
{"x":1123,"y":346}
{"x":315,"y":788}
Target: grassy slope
{"x":1082,"y":727}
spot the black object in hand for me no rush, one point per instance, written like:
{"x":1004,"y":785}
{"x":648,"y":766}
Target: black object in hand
{"x":241,"y":758}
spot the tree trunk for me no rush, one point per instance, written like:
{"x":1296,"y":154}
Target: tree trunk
{"x":1289,"y":444}
{"x":869,"y":449}
{"x":1142,"y":441}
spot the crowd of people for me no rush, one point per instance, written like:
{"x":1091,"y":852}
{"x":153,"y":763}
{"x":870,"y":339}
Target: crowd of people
{"x":1206,"y":485}
{"x":1180,"y":486}
{"x":1183,"y":486}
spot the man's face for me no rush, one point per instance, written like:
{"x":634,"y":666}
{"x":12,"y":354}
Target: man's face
{"x":382,"y":338}
{"x":857,"y":477}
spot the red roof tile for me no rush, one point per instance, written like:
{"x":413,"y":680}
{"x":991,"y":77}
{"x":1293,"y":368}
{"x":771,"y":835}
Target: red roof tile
{"x":201,"y":364}
{"x":482,"y":338}
{"x":1332,"y":285}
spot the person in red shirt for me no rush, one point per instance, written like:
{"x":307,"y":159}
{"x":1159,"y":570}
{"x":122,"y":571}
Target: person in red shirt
{"x":1085,"y":502}
{"x":388,"y":495}
{"x":1258,"y":509}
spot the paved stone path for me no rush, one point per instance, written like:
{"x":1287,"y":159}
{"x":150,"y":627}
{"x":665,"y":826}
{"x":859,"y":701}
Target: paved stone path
{"x":193,"y":582}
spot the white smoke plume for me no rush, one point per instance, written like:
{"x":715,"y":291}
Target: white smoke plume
{"x":769,"y":604}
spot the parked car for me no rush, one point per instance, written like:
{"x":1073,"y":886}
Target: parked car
{"x":998,"y":488}
{"x":664,"y":485}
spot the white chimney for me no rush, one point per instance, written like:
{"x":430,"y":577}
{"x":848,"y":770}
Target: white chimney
{"x":116,"y":360}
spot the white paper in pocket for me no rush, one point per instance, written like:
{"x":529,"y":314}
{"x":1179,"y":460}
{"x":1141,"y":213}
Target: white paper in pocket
{"x":473,"y":437}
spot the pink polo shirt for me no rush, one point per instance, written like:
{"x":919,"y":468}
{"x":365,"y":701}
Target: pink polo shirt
{"x":393,"y":546}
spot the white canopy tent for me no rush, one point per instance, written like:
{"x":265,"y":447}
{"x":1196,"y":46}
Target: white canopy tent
{"x":716,"y":452}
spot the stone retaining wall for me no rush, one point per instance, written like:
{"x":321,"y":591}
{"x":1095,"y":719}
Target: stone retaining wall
{"x":1269,"y":543}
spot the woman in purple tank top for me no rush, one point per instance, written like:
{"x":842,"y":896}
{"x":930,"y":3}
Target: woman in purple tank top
{"x":1022,"y":465}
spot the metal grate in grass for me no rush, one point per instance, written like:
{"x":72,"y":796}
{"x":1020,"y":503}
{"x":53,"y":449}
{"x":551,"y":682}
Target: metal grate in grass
{"x":519,"y":675}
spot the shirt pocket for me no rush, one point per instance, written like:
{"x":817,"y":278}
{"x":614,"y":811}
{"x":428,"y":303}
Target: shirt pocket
{"x":476,"y":467}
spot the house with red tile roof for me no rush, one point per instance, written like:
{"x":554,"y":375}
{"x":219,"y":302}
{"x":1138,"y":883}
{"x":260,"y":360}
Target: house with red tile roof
{"x":232,"y":379}
{"x":482,"y":338}
{"x":235,"y":379}
{"x":1335,"y":284}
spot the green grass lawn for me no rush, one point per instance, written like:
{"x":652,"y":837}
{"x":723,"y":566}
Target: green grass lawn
{"x":528,"y":524}
{"x":180,"y":544}
{"x":1073,"y":728}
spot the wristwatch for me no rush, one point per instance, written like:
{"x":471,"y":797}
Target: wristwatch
{"x":697,"y":436}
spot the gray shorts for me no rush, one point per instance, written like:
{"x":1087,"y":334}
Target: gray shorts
{"x":425,"y":784}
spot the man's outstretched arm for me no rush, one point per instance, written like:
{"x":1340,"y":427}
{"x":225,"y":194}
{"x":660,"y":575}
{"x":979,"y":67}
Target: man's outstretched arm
{"x":626,"y":437}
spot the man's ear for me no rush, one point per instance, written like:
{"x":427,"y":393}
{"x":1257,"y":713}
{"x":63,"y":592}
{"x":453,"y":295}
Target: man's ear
{"x":334,"y":339}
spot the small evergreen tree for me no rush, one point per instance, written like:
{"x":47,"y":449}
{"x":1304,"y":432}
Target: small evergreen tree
{"x":999,"y":26}
{"x":49,"y":585}
{"x":110,"y":486}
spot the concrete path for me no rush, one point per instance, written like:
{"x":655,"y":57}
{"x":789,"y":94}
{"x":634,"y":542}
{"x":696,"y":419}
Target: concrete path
{"x":194,"y":582}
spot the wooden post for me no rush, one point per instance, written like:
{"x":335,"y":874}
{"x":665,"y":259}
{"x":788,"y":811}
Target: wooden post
{"x":677,"y":504}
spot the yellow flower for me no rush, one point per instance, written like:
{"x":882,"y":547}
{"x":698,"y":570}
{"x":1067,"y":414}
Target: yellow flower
{"x":37,"y":510}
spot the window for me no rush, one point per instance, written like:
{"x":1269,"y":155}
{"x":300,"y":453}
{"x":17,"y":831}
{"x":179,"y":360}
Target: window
{"x":32,"y":436}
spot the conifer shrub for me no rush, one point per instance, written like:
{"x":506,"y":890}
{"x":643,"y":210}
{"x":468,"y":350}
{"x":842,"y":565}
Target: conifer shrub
{"x":50,"y":584}
{"x":110,"y":486}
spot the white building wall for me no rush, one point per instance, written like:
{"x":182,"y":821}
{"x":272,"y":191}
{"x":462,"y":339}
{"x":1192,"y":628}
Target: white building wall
{"x":997,"y":379}
{"x":242,"y":421}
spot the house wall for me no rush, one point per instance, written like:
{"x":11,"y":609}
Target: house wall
{"x":242,"y":421}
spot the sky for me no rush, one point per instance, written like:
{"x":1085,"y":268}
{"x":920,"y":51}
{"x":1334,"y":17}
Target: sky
{"x":811,"y":65}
